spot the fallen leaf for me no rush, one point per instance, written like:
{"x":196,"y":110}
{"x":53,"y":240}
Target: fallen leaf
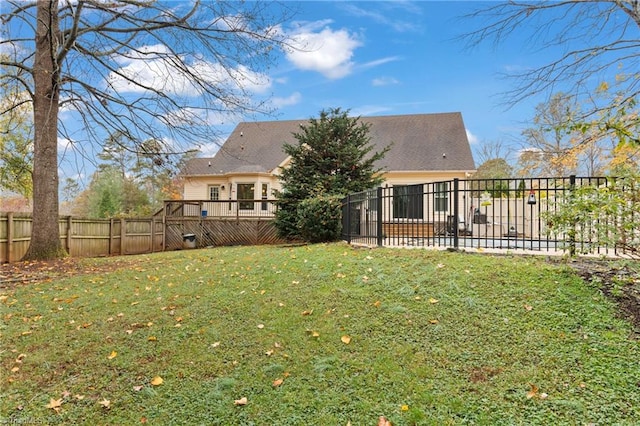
{"x":433,"y":301}
{"x":15,"y":369}
{"x":54,"y":404}
{"x":440,"y":265}
{"x":315,"y":334}
{"x":112,"y":355}
{"x":138,"y":388}
{"x":382,"y":421}
{"x":377,"y":303}
{"x":434,"y":321}
{"x":533,"y":391}
{"x":152,"y":339}
{"x":269,"y":352}
{"x":241,"y":401}
{"x":345,"y":339}
{"x":215,"y":344}
{"x":260,"y":326}
{"x":157,"y":381}
{"x":277,"y":382}
{"x":105,"y":403}
{"x":305,"y":313}
{"x":528,"y":307}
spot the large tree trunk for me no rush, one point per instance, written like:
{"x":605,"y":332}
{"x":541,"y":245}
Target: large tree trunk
{"x":45,"y":233}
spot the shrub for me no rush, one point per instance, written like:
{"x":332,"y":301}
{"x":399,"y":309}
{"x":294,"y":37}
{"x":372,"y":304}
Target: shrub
{"x":320,"y":218}
{"x":601,"y":214}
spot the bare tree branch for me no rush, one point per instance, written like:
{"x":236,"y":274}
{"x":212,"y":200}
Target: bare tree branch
{"x":144,"y":69}
{"x":597,"y":38}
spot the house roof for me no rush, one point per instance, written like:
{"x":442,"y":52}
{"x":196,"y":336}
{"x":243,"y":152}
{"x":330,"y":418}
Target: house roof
{"x":421,"y":142}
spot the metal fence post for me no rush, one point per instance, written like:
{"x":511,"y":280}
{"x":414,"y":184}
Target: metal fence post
{"x":379,"y":216}
{"x":572,"y":232}
{"x":347,"y":218}
{"x":456,"y":211}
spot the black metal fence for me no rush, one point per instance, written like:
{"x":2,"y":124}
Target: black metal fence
{"x":501,"y":214}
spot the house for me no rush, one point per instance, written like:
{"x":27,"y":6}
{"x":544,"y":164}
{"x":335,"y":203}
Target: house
{"x":426,"y":148}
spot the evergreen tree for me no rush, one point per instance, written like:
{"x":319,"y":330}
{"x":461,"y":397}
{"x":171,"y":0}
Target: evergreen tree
{"x":333,"y":156}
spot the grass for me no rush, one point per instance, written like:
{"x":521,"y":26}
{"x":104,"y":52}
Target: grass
{"x":433,"y":338}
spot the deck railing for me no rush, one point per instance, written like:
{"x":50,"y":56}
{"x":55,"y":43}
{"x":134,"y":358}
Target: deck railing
{"x":220,"y":208}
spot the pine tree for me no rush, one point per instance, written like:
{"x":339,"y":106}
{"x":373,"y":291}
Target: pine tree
{"x":333,"y":157}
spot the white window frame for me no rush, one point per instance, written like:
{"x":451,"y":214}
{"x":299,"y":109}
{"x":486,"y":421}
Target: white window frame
{"x":210,"y":192}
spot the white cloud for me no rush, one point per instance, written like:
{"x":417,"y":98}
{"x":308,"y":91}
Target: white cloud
{"x":65,"y":144}
{"x":380,"y":61}
{"x":473,"y":139}
{"x":293,"y":99}
{"x":200,"y":117}
{"x":326,"y":51}
{"x":147,"y":69}
{"x":209,"y":149}
{"x":383,"y":15}
{"x":368,"y":110}
{"x":384,"y":81}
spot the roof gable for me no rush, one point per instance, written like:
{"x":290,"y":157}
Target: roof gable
{"x":421,"y":142}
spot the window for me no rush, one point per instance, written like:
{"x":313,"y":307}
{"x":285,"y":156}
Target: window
{"x":441,"y":196}
{"x":265,"y":195}
{"x":408,"y":202}
{"x":245,"y":196}
{"x":214,"y":192}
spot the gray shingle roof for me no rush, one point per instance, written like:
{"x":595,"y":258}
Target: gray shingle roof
{"x":419,"y":142}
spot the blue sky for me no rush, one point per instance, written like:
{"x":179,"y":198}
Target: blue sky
{"x":384,"y":58}
{"x":373,"y":58}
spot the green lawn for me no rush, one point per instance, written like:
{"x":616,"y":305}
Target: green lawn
{"x":316,"y":335}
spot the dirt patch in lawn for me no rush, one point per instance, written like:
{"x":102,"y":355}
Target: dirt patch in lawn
{"x":21,"y":273}
{"x":618,"y":281}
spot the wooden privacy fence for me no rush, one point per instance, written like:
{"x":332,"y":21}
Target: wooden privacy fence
{"x":85,"y":237}
{"x":207,"y":223}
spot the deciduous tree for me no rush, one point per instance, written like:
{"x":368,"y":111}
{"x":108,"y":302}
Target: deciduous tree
{"x":551,"y":146}
{"x":16,"y":141}
{"x":150,"y":70}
